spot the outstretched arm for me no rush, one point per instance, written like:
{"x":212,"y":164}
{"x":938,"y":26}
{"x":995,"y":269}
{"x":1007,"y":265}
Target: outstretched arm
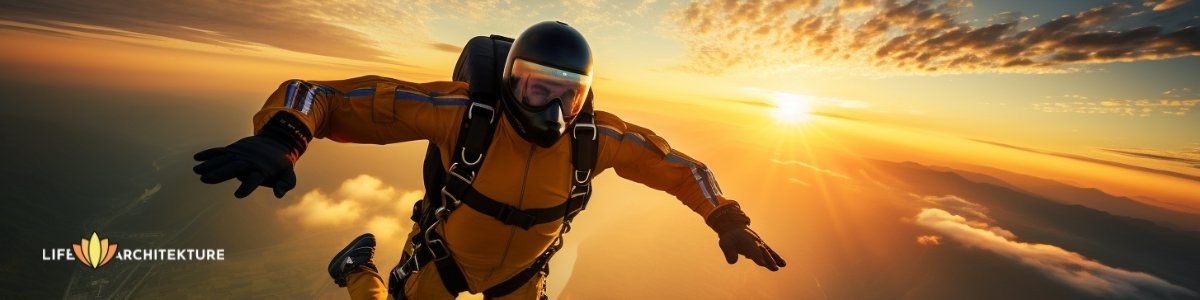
{"x":637,"y":154}
{"x":368,"y":109}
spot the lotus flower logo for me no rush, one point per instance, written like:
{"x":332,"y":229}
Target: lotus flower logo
{"x":94,"y":252}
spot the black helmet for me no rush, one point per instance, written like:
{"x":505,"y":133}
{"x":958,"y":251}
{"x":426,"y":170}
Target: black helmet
{"x":547,"y":74}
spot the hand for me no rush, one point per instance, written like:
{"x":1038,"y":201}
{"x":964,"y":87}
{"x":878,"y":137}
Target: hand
{"x":265,"y":159}
{"x":255,"y":161}
{"x":733,"y":228}
{"x":747,"y":243}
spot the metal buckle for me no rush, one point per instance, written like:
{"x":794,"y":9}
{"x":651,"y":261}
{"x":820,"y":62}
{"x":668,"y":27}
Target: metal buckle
{"x":454,"y":167}
{"x":434,"y":245}
{"x":491,"y":115}
{"x":586,"y":174}
{"x":586,"y":188}
{"x":554,"y":247}
{"x":428,"y":230}
{"x":446,"y":204}
{"x":566,"y":227}
{"x":402,"y":271}
{"x":463,"y":157}
{"x":438,"y":249}
{"x":575,"y":130}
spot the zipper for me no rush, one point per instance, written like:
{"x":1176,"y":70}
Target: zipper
{"x":520,"y":205}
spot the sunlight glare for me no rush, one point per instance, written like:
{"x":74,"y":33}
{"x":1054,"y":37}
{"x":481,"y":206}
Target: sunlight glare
{"x":791,"y":108}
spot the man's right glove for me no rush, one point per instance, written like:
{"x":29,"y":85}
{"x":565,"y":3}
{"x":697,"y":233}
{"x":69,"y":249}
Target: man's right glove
{"x":733,"y":228}
{"x":264,"y":159}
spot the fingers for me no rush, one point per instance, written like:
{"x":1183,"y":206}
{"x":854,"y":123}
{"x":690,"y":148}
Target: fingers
{"x":754,"y":253}
{"x":249,"y":183}
{"x":730,"y":250}
{"x":224,"y":172}
{"x":778,"y":260}
{"x":747,"y":243}
{"x":767,"y":260}
{"x":212,"y":163}
{"x":286,"y":182}
{"x":207,"y":154}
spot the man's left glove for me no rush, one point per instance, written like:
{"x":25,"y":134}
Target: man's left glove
{"x":733,"y":228}
{"x":264,"y":159}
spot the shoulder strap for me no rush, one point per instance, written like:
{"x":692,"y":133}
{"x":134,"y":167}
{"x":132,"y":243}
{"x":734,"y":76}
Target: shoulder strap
{"x":584,"y":144}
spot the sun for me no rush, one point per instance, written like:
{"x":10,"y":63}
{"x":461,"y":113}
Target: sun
{"x":791,"y":108}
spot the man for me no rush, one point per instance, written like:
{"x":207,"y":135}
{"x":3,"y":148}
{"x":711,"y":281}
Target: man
{"x":480,"y":246}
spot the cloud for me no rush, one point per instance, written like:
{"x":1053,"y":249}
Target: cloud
{"x":321,"y":28}
{"x":316,"y":209}
{"x":798,"y":181}
{"x":1171,"y":105}
{"x":811,"y":167}
{"x":1066,"y":267}
{"x":813,"y":101}
{"x":363,"y":201}
{"x":918,"y":37}
{"x":1094,"y":160}
{"x":445,"y":47}
{"x":960,"y":206}
{"x":1169,"y":4}
{"x":1179,"y":93}
{"x":1189,"y":158}
{"x":929,"y":240}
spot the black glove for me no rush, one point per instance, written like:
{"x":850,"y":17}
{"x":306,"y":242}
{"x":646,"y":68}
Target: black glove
{"x":733,"y":227}
{"x":264,"y":159}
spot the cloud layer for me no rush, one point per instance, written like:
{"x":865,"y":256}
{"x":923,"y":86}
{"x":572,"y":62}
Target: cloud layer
{"x":810,"y":167}
{"x":362,"y":201}
{"x":1190,"y":157}
{"x":1069,"y":268}
{"x":1124,"y":107}
{"x":922,"y":36}
{"x":322,"y":28}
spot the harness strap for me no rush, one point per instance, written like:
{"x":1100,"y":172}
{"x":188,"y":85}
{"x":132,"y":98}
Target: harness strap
{"x":508,"y":214}
{"x":429,"y":246}
{"x":433,"y":250}
{"x":478,"y":128}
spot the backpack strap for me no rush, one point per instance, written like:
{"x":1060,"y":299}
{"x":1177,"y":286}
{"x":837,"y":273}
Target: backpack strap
{"x":584,"y":144}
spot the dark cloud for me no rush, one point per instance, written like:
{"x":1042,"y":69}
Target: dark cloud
{"x":923,"y":36}
{"x":293,"y":26}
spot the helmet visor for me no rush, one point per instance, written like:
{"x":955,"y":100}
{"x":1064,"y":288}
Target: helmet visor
{"x":537,"y":86}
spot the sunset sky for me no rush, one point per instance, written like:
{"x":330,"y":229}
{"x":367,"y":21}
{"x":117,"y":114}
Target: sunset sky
{"x":805,"y":93}
{"x":1070,"y":76}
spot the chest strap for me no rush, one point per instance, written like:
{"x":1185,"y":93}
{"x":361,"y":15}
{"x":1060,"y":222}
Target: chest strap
{"x":428,"y":244}
{"x":458,"y":189}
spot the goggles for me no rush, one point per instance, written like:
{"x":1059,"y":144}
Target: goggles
{"x":537,"y":86}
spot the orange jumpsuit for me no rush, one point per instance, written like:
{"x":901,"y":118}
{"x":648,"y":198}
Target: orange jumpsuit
{"x":378,"y":110}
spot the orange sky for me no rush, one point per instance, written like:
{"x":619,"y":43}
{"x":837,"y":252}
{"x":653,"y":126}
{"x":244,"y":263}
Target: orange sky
{"x":179,"y":67}
{"x":713,"y":101}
